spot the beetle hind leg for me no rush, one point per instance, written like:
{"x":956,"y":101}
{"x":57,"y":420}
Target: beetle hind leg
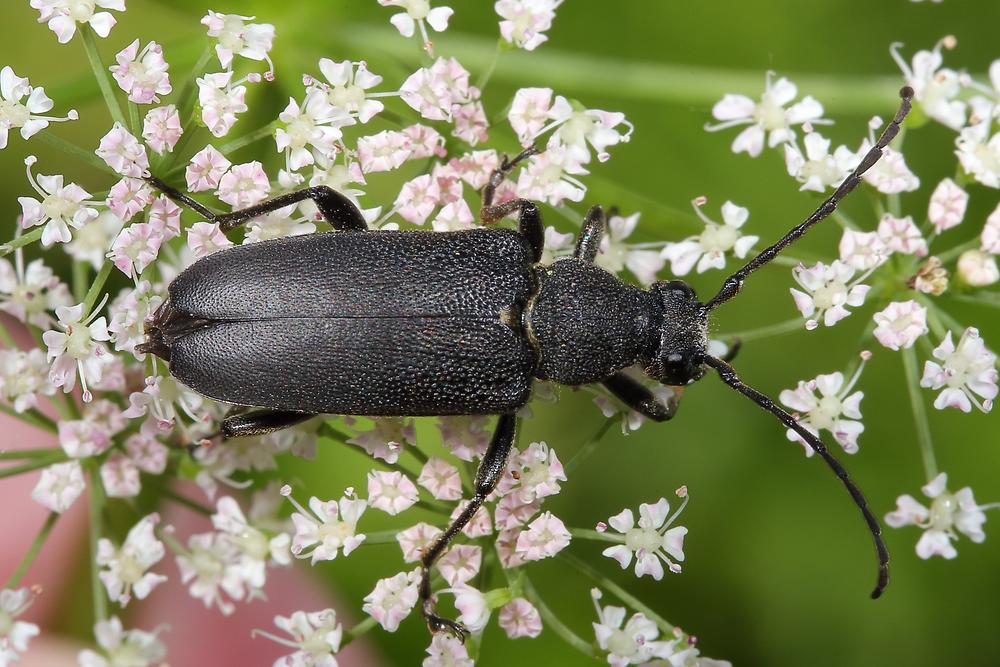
{"x":490,"y":469}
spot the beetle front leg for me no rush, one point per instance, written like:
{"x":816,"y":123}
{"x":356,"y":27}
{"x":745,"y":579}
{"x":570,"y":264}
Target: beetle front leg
{"x":336,"y":208}
{"x":490,"y":469}
{"x":637,"y":397}
{"x":529,"y":218}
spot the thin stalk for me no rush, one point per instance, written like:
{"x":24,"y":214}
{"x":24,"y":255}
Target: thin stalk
{"x":96,"y":287}
{"x":24,"y":454}
{"x":96,"y":508}
{"x":31,"y":465}
{"x":170,"y":494}
{"x":358,"y":630}
{"x":6,"y":338}
{"x":101,"y":74}
{"x":788,"y":326}
{"x":21,"y":241}
{"x":247,"y":139}
{"x":33,"y":550}
{"x":619,"y":592}
{"x":591,"y":445}
{"x":597,"y":536}
{"x":670,"y":83}
{"x":552,"y":621}
{"x":133,"y":118}
{"x":919,"y":413}
{"x":484,"y":78}
{"x":69,"y":148}
{"x":952,"y":253}
{"x":186,"y":96}
{"x":33,"y":417}
{"x":991,"y":299}
{"x":80,"y":274}
{"x":380,"y":537}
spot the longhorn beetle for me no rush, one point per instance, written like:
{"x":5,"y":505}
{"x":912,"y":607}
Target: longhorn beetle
{"x":391,"y":323}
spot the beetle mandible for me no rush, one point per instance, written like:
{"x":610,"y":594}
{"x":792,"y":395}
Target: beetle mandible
{"x":416,"y":323}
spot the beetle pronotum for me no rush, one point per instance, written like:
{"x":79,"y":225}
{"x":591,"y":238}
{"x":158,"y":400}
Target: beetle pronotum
{"x":383,"y":323}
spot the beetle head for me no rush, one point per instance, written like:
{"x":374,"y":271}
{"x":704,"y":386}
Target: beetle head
{"x":679,"y":359}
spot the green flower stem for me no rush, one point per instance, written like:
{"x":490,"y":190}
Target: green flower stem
{"x":619,"y":592}
{"x":418,"y":454}
{"x":180,"y":499}
{"x":70,"y":148}
{"x":484,"y":78}
{"x":591,"y":445}
{"x":953,"y":253}
{"x":247,"y":139}
{"x":97,"y":502}
{"x":96,"y":287}
{"x":358,"y":630}
{"x":133,"y":118}
{"x":35,"y":464}
{"x":33,"y":417}
{"x":6,"y":338}
{"x":956,"y":327}
{"x":22,"y":240}
{"x":919,"y":413}
{"x":552,"y":621}
{"x":380,"y":537}
{"x":844,"y":220}
{"x":80,"y":275}
{"x":21,"y":454}
{"x":597,"y":536}
{"x":33,"y":550}
{"x":980,"y":298}
{"x":581,"y":73}
{"x":777,"y":329}
{"x":185,"y":99}
{"x":101,"y":74}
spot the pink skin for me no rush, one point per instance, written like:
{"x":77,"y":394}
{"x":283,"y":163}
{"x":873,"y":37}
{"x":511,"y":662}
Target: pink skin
{"x":194,"y":635}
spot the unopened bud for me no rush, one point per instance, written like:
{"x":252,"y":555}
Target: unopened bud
{"x":977,"y":268}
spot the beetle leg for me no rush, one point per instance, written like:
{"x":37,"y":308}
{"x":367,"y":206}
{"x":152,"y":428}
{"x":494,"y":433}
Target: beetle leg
{"x":637,"y":397}
{"x":336,"y":208}
{"x":588,"y":243}
{"x":260,"y":422}
{"x":529,"y":219}
{"x":490,"y":469}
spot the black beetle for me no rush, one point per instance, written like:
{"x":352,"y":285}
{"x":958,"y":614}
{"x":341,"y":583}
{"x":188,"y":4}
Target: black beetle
{"x":416,"y":323}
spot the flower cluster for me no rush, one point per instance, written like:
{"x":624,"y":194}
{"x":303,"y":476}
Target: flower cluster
{"x":906,"y":272}
{"x":121,"y":434}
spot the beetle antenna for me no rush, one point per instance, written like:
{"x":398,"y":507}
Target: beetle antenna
{"x":730,"y":377}
{"x":180,"y":197}
{"x":733,"y":283}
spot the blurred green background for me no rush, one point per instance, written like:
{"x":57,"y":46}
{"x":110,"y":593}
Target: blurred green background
{"x":779,"y":565}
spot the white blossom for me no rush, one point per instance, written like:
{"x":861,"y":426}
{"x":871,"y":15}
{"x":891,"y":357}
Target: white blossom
{"x":651,"y":541}
{"x":836,"y":409}
{"x":935,"y":87}
{"x":829,"y":290}
{"x":767,"y":118}
{"x":331,"y":526}
{"x":708,"y":249}
{"x":949,"y":514}
{"x":966,"y":371}
{"x":127,"y":566}
{"x":16,"y":112}
{"x":122,"y":648}
{"x":315,"y":636}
